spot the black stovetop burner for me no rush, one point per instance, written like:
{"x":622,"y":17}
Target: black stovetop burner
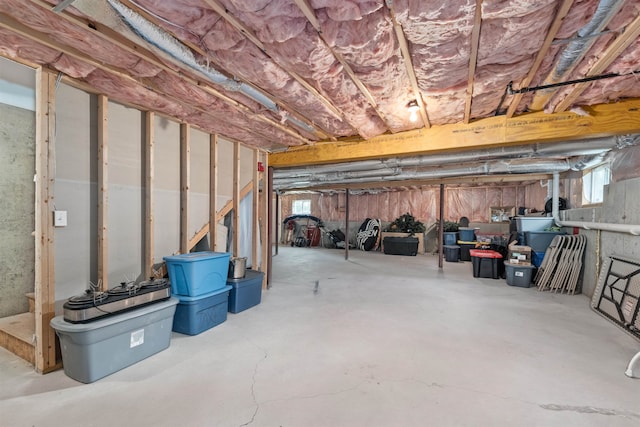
{"x":95,"y":304}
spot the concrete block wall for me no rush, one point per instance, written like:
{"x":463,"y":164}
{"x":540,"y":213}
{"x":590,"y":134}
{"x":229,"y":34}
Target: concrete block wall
{"x":621,"y":206}
{"x":17,"y":222}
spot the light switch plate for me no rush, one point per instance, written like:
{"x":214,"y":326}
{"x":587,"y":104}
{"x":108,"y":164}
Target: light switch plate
{"x":59,"y":218}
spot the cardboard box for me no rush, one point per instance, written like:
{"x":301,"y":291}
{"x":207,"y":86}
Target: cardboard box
{"x":519,"y":255}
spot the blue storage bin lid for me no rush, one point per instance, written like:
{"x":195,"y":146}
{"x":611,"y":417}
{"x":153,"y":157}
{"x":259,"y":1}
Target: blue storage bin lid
{"x":196,"y":256}
{"x":185,"y":298}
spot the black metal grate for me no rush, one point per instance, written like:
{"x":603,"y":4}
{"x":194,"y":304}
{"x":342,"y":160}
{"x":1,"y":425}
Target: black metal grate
{"x":618,"y":292}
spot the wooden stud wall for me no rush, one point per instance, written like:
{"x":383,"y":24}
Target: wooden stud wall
{"x":255,"y":225}
{"x":236,"y":199}
{"x":213,"y":190}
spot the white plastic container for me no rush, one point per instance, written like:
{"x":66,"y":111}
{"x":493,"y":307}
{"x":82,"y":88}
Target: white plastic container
{"x":533,"y":223}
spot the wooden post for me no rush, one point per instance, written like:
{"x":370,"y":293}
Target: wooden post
{"x":45,"y":354}
{"x":213,"y":189}
{"x":264,"y":218}
{"x":270,"y":226}
{"x":277,"y":225}
{"x":185,"y":174}
{"x":236,"y":199}
{"x":148,"y":192}
{"x":103,"y":192}
{"x":255,"y":229}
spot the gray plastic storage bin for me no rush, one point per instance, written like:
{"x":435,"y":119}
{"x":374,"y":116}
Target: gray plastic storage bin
{"x":518,"y":274}
{"x":246,"y":292}
{"x":91,"y":351}
{"x":533,"y":223}
{"x":539,"y":241}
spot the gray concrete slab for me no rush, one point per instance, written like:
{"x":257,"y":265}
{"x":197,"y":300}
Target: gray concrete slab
{"x":381,"y":341}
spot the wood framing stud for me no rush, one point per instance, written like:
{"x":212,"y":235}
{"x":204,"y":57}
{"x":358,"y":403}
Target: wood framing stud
{"x":185,"y":176}
{"x":475,"y":41}
{"x":103,"y":192}
{"x":551,"y":34}
{"x":213,"y":191}
{"x":255,"y":226}
{"x":148,"y":192}
{"x":236,"y":199}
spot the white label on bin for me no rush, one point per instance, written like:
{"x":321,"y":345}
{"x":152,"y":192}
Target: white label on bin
{"x":519,"y":273}
{"x":137,"y":338}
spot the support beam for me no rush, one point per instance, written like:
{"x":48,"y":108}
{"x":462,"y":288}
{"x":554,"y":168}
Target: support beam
{"x":45,"y":346}
{"x":255,"y":225}
{"x":604,"y":120}
{"x":346,"y":224}
{"x":149,"y":174}
{"x":270,"y":216}
{"x":103,"y":192}
{"x":185,"y":176}
{"x":213,"y":190}
{"x":264,"y":220}
{"x":236,"y":200}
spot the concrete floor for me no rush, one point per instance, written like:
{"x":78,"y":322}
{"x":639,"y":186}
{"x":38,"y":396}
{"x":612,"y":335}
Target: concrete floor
{"x":381,"y":341}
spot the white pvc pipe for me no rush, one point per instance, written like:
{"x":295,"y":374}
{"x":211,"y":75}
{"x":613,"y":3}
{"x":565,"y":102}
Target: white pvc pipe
{"x":616,"y":228}
{"x":633,"y":370}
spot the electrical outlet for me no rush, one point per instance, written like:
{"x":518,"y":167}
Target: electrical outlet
{"x":59,"y":218}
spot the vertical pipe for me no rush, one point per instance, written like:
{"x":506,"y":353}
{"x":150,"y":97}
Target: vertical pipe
{"x":270,"y":226}
{"x":441,"y":227}
{"x":346,"y":225}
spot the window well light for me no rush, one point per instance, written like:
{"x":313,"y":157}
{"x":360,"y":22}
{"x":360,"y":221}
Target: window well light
{"x":413,"y":109}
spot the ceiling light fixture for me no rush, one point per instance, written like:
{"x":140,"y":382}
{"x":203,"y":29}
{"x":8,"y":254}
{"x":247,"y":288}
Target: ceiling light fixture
{"x":413,"y":109}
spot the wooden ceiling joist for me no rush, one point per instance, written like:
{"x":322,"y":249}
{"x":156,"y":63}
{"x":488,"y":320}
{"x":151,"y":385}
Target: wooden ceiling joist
{"x":195,"y":48}
{"x":551,"y":35}
{"x":224,"y":13}
{"x":620,"y":118}
{"x":542,"y":97}
{"x":630,"y":34}
{"x":408,"y":63}
{"x":309,"y":13}
{"x":473,"y":59}
{"x":119,"y":41}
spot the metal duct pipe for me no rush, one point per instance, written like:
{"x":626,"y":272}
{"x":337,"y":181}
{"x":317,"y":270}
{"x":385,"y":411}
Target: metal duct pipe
{"x":576,"y":48}
{"x":486,"y":168}
{"x":176,"y":50}
{"x":617,"y":228}
{"x":569,"y":148}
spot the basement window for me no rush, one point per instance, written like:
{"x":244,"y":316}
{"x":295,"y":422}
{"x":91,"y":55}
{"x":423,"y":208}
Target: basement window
{"x":593,"y":182}
{"x":301,"y":207}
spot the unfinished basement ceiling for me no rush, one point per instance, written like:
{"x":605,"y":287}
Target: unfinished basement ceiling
{"x":279,"y":73}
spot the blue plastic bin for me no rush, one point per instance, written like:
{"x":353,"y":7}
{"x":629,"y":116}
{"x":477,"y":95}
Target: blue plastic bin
{"x":197,"y":273}
{"x":450,"y":237}
{"x":467,"y":234}
{"x":246,"y":292}
{"x":539,"y":241}
{"x":198,"y":314}
{"x":537,"y":257}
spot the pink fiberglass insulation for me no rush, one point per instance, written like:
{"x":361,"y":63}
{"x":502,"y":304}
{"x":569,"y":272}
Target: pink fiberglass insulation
{"x":370,"y":47}
{"x":221,"y":43}
{"x":286,"y":33}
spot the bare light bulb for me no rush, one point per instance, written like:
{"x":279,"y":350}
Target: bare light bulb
{"x":413,"y":109}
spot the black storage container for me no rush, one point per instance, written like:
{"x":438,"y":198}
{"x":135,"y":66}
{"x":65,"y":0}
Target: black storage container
{"x":245,"y":292}
{"x":451,"y":253}
{"x":401,"y":246}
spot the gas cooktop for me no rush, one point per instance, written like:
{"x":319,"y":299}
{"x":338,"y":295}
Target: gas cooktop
{"x":95,"y":304}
